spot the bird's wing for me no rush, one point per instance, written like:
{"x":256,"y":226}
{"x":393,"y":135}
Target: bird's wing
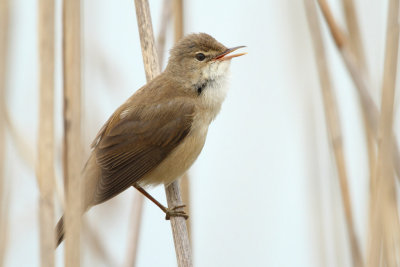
{"x":137,"y":139}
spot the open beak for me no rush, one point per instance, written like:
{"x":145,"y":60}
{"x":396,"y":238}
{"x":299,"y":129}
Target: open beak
{"x":224,"y":55}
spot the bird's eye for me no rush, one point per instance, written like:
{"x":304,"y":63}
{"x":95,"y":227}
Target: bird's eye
{"x":200,"y":56}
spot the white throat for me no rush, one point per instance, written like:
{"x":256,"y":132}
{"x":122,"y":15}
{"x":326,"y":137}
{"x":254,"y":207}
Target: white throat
{"x":215,"y":91}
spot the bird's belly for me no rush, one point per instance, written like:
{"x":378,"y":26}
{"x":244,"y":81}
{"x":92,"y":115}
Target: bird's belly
{"x":178,"y":161}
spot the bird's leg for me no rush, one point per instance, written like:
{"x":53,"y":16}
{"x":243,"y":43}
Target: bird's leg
{"x":169,"y":212}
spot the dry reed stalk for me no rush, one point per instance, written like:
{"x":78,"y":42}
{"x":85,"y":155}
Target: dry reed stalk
{"x":386,"y":187}
{"x":372,"y":187}
{"x":178,"y":19}
{"x":137,"y":205}
{"x":185,"y":189}
{"x":333,"y":124}
{"x":374,"y":241}
{"x":179,"y":228}
{"x":4,"y":11}
{"x":357,"y":48}
{"x":149,"y":52}
{"x":356,"y":45}
{"x":152,"y":69}
{"x":165,"y":20}
{"x":178,"y":34}
{"x":72,"y":129}
{"x":4,"y":227}
{"x":45,"y":167}
{"x":355,"y":41}
{"x":358,"y":76}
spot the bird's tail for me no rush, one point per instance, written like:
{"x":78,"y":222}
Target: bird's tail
{"x":60,"y":231}
{"x":90,"y":176}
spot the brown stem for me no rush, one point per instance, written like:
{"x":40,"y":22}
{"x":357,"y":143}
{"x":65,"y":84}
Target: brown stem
{"x":359,"y":78}
{"x":353,"y":28}
{"x":152,"y":68}
{"x":333,"y":123}
{"x":165,"y":21}
{"x":337,"y":34}
{"x":185,"y":182}
{"x":137,"y":205}
{"x":72,"y":129}
{"x":386,"y":188}
{"x":45,"y":169}
{"x":4,"y":27}
{"x":356,"y":46}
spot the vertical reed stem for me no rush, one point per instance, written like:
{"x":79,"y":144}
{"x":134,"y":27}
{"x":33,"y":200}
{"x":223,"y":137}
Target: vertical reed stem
{"x":178,"y":19}
{"x":178,"y":30}
{"x":152,"y":68}
{"x":165,"y":20}
{"x":4,"y":11}
{"x":386,"y":188}
{"x":72,"y":128}
{"x":356,"y":46}
{"x":45,"y":168}
{"x":358,"y":76}
{"x":355,"y":40}
{"x":333,"y":124}
{"x":136,"y":214}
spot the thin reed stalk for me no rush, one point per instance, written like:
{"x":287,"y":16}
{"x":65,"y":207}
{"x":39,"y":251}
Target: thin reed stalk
{"x":379,"y":251}
{"x":72,"y":129}
{"x":178,"y":33}
{"x":357,"y":48}
{"x":386,"y":198}
{"x":137,"y":205}
{"x":178,"y":19}
{"x":4,"y":224}
{"x":4,"y":11}
{"x":355,"y":40}
{"x":358,"y":76}
{"x":45,"y":167}
{"x":185,"y":189}
{"x":152,"y":69}
{"x":165,"y":21}
{"x":149,"y":52}
{"x":374,"y":241}
{"x":333,"y":124}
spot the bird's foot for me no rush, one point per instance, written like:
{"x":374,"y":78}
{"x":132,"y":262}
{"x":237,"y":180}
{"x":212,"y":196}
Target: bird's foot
{"x":173,"y":212}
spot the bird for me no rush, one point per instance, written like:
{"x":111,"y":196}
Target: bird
{"x":157,"y":134}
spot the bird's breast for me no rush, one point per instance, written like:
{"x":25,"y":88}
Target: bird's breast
{"x":179,"y":160}
{"x":183,"y":156}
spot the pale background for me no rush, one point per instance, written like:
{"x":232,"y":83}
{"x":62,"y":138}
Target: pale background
{"x":264,"y":189}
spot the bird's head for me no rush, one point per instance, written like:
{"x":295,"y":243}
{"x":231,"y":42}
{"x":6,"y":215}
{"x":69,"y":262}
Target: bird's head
{"x":198,"y":58}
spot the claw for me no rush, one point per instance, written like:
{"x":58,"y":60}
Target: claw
{"x":178,"y":207}
{"x":173,"y":212}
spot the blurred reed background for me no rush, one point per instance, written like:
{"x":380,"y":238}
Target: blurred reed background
{"x":301,"y":168}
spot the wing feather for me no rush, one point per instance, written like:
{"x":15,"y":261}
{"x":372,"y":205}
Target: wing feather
{"x":129,"y":148}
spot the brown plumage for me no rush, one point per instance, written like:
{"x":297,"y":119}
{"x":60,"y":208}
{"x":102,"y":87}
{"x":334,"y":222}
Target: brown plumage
{"x":157,"y":134}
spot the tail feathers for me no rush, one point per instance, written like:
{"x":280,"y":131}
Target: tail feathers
{"x":60,"y":231}
{"x":90,"y":178}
